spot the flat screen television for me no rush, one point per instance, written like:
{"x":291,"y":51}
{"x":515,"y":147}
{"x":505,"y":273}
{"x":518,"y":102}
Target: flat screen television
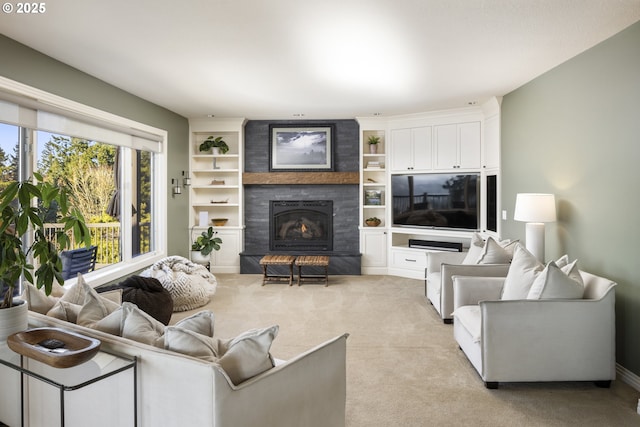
{"x":436,"y":200}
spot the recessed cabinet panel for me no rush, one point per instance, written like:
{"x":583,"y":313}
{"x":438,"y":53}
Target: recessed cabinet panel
{"x":457,"y":146}
{"x":401,"y":150}
{"x":422,"y":148}
{"x":469,"y":145}
{"x":446,"y":140}
{"x":411,"y":149}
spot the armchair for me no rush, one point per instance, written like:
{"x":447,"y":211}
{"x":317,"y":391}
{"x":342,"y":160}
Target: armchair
{"x":441,"y":267}
{"x":529,"y":340}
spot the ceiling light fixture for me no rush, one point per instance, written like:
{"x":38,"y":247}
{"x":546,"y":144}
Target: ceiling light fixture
{"x":298,"y":114}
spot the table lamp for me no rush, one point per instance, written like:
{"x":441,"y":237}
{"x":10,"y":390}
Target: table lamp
{"x":535,"y":209}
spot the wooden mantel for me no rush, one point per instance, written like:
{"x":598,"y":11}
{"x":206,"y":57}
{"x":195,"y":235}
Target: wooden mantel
{"x":289,"y":178}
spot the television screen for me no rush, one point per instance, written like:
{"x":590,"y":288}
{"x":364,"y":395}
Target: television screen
{"x":448,"y":201}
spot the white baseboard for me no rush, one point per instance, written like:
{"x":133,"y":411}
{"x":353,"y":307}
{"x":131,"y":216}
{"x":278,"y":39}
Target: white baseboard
{"x":627,"y":377}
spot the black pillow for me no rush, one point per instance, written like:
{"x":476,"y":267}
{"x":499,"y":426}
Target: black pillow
{"x":147,"y":293}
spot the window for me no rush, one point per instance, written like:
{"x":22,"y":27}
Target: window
{"x":113,"y":167}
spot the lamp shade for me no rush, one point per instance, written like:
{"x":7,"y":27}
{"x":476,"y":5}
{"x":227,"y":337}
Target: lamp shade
{"x":535,"y":207}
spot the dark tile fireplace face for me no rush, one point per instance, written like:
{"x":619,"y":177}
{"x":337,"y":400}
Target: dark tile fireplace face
{"x":301,"y":225}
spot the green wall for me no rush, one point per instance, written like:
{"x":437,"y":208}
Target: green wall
{"x":575,"y":132}
{"x":25,"y":65}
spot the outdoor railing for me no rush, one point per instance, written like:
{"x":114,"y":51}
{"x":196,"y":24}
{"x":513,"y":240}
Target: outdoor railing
{"x":106,"y":236}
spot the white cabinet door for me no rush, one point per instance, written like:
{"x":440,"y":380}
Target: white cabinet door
{"x":229,"y":254}
{"x":446,"y":146}
{"x":411,"y":149}
{"x":374,"y":248}
{"x":422,"y":148}
{"x":457,"y":146}
{"x":469,"y":145}
{"x":401,"y":150}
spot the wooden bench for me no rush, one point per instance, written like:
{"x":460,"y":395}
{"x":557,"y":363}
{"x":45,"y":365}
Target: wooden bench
{"x":275,"y":260}
{"x":313,"y":261}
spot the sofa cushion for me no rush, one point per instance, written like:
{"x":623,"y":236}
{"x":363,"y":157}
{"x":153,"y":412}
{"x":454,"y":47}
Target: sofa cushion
{"x":94,"y":307}
{"x":247,"y":355}
{"x":65,"y":310}
{"x":192,"y":343}
{"x":38,"y":301}
{"x":523,"y":270}
{"x":556,"y":283}
{"x":470,"y":317}
{"x":129,"y":321}
{"x":201,"y":322}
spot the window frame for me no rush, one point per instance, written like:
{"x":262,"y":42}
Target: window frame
{"x":31,"y":100}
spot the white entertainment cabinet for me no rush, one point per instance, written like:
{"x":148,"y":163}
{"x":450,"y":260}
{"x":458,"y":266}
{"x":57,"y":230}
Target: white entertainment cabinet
{"x":465,"y":140}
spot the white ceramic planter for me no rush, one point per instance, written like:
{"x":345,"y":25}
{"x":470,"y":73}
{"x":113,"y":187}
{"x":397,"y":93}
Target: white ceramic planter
{"x":14,"y":319}
{"x":198,"y":258}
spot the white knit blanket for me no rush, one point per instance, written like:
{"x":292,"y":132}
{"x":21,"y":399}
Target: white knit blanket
{"x":191,"y":285}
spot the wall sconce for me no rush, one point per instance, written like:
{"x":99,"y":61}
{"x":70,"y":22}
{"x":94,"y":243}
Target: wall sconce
{"x":186,"y":181}
{"x":175,"y":187}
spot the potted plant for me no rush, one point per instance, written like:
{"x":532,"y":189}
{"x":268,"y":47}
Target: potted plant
{"x":204,"y":244}
{"x":217,"y":144}
{"x":373,"y":142}
{"x":19,"y":216}
{"x":373,"y":221}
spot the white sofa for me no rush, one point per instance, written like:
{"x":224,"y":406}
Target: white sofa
{"x":179,"y":390}
{"x":441,"y":267}
{"x":526,"y":340}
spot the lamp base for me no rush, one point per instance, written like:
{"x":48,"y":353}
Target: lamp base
{"x":534,"y":233}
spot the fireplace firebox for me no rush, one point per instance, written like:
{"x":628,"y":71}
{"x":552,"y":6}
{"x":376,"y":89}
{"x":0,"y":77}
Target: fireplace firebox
{"x":301,"y":225}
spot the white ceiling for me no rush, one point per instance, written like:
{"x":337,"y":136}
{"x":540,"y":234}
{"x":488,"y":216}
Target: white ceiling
{"x":322,"y":58}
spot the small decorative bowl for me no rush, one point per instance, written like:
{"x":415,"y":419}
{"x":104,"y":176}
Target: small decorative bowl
{"x":219,"y":222}
{"x":373,"y":223}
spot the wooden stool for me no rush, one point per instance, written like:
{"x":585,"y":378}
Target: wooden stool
{"x":268,"y":260}
{"x":315,"y":261}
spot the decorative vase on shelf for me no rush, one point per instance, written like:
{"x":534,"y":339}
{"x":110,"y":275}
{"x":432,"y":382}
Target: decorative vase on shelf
{"x":373,"y":148}
{"x":215,"y":151}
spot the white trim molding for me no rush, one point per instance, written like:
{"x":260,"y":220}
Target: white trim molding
{"x":627,"y":376}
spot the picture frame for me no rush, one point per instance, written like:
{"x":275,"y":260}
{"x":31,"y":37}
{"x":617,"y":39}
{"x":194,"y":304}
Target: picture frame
{"x":301,"y":147}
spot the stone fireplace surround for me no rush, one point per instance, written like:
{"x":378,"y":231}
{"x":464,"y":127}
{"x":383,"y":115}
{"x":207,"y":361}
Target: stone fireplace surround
{"x":345,"y":257}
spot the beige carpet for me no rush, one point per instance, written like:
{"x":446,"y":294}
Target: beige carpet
{"x":403,"y":366}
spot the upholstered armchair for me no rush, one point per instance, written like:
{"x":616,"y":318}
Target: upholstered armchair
{"x":484,"y":259}
{"x":526,"y":340}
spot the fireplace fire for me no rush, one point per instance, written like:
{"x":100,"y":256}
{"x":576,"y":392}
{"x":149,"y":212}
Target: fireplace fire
{"x":301,"y":225}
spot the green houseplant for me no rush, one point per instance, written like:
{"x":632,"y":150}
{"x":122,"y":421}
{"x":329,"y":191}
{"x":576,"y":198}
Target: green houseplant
{"x":373,"y":142}
{"x":203,"y":245}
{"x":216,"y":143}
{"x":18,"y":216}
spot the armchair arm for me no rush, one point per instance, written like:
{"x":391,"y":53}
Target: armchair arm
{"x":477,"y":270}
{"x":471,"y":290}
{"x":436,"y":259}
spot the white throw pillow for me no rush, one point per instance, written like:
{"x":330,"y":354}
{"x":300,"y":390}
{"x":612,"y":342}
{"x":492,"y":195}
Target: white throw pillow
{"x":139,"y":326}
{"x":475,"y":249}
{"x":191,"y":343}
{"x":37,"y":300}
{"x":201,"y":322}
{"x":247,"y":355}
{"x":523,"y":270}
{"x":494,"y":253}
{"x":95,"y":307}
{"x":65,"y":310}
{"x":554,"y":283}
